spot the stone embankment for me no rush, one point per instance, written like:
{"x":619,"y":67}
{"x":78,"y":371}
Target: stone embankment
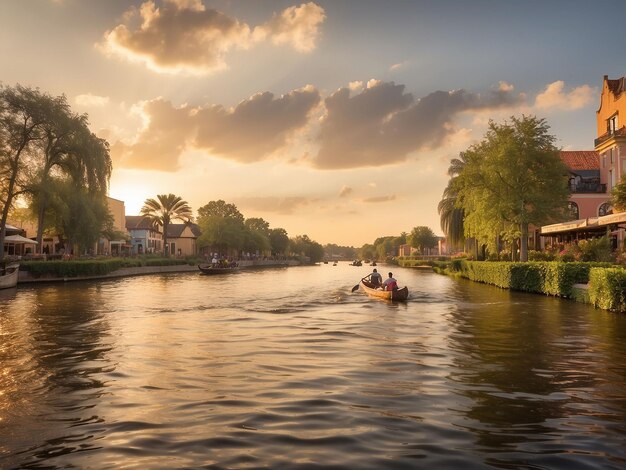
{"x":25,"y":276}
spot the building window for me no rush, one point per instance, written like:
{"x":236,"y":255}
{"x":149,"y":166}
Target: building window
{"x":611,"y":154}
{"x":605,"y":209}
{"x":573,"y":210}
{"x":611,"y":124}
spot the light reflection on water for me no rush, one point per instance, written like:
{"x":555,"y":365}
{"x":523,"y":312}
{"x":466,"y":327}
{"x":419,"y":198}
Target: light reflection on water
{"x":287,"y":368}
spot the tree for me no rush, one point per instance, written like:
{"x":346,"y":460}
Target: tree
{"x":257,"y":224}
{"x":618,"y":196}
{"x":257,"y":235}
{"x":367,"y":251}
{"x":67,"y":147}
{"x":450,"y":215}
{"x":511,"y":179}
{"x":422,"y":237}
{"x":222,"y":226}
{"x":279,"y":240}
{"x":23,"y":111}
{"x":163,"y":210}
{"x":78,"y":216}
{"x":303,"y":245}
{"x":220,"y":208}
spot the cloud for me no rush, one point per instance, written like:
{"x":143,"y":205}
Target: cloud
{"x":382,"y":124}
{"x":278,"y":205}
{"x":183,"y":36}
{"x":345,"y":191}
{"x":555,"y":97}
{"x":162,"y":140}
{"x":89,"y":100}
{"x":298,"y":26}
{"x":256,"y":127}
{"x":379,"y":199}
{"x":251,"y":131}
{"x":399,"y":65}
{"x":373,"y":124}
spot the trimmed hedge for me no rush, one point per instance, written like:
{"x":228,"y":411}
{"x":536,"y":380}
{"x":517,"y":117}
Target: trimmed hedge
{"x":97,"y":267}
{"x":545,"y":277}
{"x":607,"y":288}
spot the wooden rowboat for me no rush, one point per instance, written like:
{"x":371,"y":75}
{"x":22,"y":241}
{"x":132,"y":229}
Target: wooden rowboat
{"x":212,"y":270}
{"x":8,"y":276}
{"x":398,"y":295}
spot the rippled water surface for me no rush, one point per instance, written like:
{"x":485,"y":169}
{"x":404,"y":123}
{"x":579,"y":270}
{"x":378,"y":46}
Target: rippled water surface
{"x":286,"y":368}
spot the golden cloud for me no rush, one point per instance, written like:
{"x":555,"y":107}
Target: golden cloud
{"x":278,"y":205}
{"x":382,"y":125}
{"x":251,"y":131}
{"x":298,"y":26}
{"x":555,"y":96}
{"x":183,"y":36}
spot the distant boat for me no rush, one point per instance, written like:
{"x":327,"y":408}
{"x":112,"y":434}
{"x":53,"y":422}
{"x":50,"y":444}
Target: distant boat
{"x":9,"y":275}
{"x":357,"y":262}
{"x":398,"y":295}
{"x":212,"y":270}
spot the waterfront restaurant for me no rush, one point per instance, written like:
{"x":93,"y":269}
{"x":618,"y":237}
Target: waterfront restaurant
{"x":612,"y":225}
{"x":593,"y":174}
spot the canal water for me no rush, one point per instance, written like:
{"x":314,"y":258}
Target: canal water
{"x":286,"y":368}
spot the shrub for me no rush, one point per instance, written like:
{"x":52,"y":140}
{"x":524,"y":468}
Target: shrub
{"x":98,"y":267}
{"x":541,"y":256}
{"x":607,"y":288}
{"x":571,"y":252}
{"x":596,"y":249}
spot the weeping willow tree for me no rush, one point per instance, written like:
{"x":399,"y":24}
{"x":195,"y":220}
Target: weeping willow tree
{"x":78,"y":216}
{"x":68,"y":149}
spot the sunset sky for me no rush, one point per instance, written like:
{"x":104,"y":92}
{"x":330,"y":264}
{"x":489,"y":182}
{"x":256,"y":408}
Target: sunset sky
{"x":335,"y":119}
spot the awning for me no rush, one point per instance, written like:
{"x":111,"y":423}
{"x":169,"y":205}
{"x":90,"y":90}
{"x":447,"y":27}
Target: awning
{"x":18,"y":239}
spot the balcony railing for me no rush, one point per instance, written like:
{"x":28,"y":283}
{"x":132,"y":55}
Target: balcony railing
{"x":587,"y":188}
{"x":608,"y":135}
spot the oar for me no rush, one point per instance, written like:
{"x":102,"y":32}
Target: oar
{"x":355,"y":288}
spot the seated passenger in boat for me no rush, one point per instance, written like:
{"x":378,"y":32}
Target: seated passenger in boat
{"x":375,"y":278}
{"x":390,"y":283}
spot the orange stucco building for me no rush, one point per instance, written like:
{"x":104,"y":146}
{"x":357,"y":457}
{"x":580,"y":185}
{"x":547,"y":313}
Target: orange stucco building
{"x":593,"y":174}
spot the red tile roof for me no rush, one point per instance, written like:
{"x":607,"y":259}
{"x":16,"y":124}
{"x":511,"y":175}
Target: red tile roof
{"x":581,"y":159}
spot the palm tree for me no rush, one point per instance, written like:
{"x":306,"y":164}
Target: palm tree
{"x":164,"y":209}
{"x":451,"y":217}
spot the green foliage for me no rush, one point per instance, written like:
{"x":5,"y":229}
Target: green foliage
{"x":422,"y":237}
{"x":551,"y":278}
{"x":607,"y":288}
{"x":303,"y":245}
{"x":511,"y":179}
{"x":80,"y":268}
{"x":279,"y":241}
{"x":412,"y":262}
{"x":618,"y":195}
{"x":220,"y":208}
{"x":42,"y":138}
{"x":541,"y":256}
{"x":345,"y":252}
{"x":163,"y":210}
{"x":596,"y":249}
